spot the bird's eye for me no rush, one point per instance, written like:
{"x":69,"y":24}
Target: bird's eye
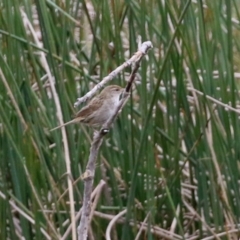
{"x":117,"y":89}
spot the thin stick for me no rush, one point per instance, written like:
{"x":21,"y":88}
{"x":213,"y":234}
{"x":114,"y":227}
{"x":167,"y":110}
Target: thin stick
{"x":112,"y":222}
{"x":157,"y":231}
{"x":98,"y":136}
{"x":226,"y":106}
{"x":142,"y":226}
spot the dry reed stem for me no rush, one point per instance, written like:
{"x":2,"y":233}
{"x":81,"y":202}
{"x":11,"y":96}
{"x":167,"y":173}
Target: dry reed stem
{"x":46,"y":67}
{"x":113,"y":222}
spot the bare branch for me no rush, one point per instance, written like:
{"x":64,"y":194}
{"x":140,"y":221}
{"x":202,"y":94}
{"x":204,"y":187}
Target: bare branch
{"x":98,"y":135}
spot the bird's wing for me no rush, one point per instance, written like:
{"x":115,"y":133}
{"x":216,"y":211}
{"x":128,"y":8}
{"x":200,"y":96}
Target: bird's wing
{"x":87,"y":111}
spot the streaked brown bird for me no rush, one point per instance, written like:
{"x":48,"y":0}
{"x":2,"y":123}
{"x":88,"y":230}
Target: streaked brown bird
{"x":99,"y":109}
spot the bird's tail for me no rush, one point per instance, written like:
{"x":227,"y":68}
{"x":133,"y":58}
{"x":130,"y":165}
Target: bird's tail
{"x":65,"y":124}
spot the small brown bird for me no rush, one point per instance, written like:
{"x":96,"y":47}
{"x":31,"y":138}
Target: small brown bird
{"x":99,"y":109}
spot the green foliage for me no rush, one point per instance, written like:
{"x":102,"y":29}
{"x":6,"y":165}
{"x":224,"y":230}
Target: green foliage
{"x":172,"y":157}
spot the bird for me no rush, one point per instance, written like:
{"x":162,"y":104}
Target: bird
{"x":99,"y":109}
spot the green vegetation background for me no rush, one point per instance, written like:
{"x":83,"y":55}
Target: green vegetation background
{"x":172,"y":157}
